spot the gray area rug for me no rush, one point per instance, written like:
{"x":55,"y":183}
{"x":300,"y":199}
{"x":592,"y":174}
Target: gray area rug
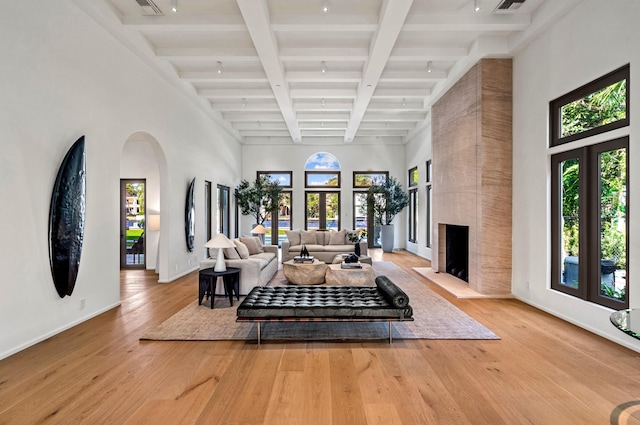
{"x":434,"y":318}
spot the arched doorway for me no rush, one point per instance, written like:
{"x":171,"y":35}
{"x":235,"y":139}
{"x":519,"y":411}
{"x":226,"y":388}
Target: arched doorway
{"x":142,"y":172}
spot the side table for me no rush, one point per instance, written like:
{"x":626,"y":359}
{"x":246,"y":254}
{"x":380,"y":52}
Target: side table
{"x":207,"y":283}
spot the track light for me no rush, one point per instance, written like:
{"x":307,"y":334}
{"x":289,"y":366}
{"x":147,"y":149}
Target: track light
{"x":220,"y":68}
{"x":244,"y":102}
{"x":404,"y":102}
{"x":325,"y":6}
{"x":429,"y":66}
{"x":476,"y":5}
{"x":323,"y":68}
{"x":174,"y":6}
{"x":322,"y":103}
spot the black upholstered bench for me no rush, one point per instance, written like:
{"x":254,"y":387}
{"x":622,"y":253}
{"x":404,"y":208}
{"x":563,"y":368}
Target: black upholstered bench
{"x":384,"y":302}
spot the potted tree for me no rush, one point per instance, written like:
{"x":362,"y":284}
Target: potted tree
{"x":259,"y":198}
{"x":387,"y":200}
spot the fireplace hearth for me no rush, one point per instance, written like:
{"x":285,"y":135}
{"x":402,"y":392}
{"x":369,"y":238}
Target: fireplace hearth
{"x":457,"y":251}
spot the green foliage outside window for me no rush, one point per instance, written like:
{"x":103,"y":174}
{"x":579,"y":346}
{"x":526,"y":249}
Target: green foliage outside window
{"x":596,"y":109}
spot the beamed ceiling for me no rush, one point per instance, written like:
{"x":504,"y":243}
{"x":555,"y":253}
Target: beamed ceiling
{"x":285,"y":72}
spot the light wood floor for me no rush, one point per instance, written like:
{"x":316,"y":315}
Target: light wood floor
{"x":542,"y":371}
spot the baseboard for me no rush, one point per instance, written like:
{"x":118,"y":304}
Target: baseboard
{"x":56,"y":331}
{"x":178,"y":276}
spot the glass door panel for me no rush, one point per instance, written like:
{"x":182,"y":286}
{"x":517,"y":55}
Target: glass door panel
{"x":132,"y":245}
{"x":322,"y":210}
{"x":312,"y":207}
{"x":613,"y":223}
{"x":570,"y":222}
{"x":332,"y":214}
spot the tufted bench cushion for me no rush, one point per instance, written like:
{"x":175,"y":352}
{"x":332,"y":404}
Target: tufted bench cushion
{"x":383,"y":302}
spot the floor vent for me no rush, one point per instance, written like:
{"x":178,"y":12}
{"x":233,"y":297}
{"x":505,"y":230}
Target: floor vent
{"x":148,"y":7}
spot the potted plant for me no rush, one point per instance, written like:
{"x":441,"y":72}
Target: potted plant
{"x":259,"y":198}
{"x":387,"y":200}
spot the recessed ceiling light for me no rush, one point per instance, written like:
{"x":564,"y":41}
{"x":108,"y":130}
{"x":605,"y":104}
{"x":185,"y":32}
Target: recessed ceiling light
{"x":174,"y":6}
{"x":244,"y":102}
{"x":219,"y":68}
{"x":476,"y":5}
{"x":404,"y":102}
{"x":323,"y":67}
{"x":322,"y":103}
{"x":325,"y":6}
{"x":429,"y":66}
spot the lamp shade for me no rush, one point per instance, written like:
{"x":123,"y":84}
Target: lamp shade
{"x":258,"y":230}
{"x":153,"y":222}
{"x":220,"y":241}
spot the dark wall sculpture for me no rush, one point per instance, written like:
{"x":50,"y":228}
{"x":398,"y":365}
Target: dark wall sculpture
{"x":66,"y":219}
{"x":190,"y":216}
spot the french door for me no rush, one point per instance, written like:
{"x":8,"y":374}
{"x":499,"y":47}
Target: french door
{"x":278,"y":221}
{"x":132,"y":223}
{"x":322,"y":210}
{"x":363,"y":219}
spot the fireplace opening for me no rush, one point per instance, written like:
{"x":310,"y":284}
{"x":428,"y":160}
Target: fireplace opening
{"x":457,"y":253}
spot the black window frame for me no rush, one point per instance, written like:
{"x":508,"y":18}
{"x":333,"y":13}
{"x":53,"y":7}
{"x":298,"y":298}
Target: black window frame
{"x":555,"y":107}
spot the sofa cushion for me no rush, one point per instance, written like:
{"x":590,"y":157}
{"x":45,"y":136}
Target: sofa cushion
{"x":242,"y":249}
{"x":337,"y":238}
{"x":311,"y":248}
{"x":231,"y":254}
{"x":267,"y":256}
{"x":308,"y":237}
{"x":252,"y":245}
{"x":339,"y":248}
{"x":293,"y":236}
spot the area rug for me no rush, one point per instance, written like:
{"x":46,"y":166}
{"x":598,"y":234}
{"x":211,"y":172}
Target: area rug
{"x":434,"y":318}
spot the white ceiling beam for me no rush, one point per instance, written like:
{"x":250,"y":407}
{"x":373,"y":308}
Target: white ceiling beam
{"x":407,"y":54}
{"x":225,"y":77}
{"x":253,"y":117}
{"x":318,"y":54}
{"x":392,"y":19}
{"x":236,"y":93}
{"x":316,"y":105}
{"x":331,"y":116}
{"x":208,"y":54}
{"x":249,"y":106}
{"x":256,"y":16}
{"x":329,"y":77}
{"x":413,"y":76}
{"x":408,"y":116}
{"x":323,"y":133}
{"x":322,"y":94}
{"x":184,"y":23}
{"x":253,"y":125}
{"x":398,"y":93}
{"x":467,"y":22}
{"x":261,"y":132}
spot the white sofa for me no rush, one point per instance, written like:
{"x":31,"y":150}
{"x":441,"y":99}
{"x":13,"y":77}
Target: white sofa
{"x":257,"y":265}
{"x":323,"y":245}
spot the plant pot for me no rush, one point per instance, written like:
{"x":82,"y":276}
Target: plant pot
{"x":386,"y":237}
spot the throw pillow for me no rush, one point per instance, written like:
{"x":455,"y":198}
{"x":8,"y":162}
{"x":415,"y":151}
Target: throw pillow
{"x":231,"y":254}
{"x":251,"y":244}
{"x":337,"y":238}
{"x":308,"y":237}
{"x":293,"y":236}
{"x":242,"y":249}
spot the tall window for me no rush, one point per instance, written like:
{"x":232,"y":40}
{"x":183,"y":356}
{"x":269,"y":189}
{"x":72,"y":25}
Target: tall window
{"x":223,"y":210}
{"x":323,"y":210}
{"x":413,"y":215}
{"x":589,"y":197}
{"x":278,"y":221}
{"x":428,"y":209}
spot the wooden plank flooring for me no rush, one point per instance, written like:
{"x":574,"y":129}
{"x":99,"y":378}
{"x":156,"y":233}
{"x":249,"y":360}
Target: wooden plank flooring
{"x":542,"y":371}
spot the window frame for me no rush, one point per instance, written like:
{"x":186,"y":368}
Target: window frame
{"x":371,"y":174}
{"x":556,"y":105}
{"x":269,"y":174}
{"x":308,"y":185}
{"x":411,"y":181}
{"x":589,"y":228}
{"x":412,"y":217}
{"x":322,"y":205}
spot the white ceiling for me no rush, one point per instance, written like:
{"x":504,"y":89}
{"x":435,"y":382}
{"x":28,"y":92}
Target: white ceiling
{"x":376,"y":88}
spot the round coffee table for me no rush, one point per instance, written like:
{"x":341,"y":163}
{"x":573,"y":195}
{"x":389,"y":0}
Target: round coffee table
{"x":307,"y":273}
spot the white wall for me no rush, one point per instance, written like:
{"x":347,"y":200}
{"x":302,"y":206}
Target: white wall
{"x":352,"y":158}
{"x":63,"y":76}
{"x":593,"y":39}
{"x":418,"y":152}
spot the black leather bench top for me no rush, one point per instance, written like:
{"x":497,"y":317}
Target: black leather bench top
{"x":341,"y":302}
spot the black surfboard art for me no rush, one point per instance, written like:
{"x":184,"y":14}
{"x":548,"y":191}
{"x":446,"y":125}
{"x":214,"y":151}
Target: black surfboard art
{"x":66,"y":219}
{"x":189,"y":216}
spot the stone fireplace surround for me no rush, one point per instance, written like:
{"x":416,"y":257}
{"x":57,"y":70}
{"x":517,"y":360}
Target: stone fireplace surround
{"x":472,"y":169}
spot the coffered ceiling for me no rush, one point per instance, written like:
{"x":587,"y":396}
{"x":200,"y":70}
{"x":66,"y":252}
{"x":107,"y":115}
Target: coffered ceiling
{"x":287,"y":72}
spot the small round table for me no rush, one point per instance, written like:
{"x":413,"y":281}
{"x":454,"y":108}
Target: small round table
{"x":628,"y":321}
{"x":305,"y":273}
{"x":209,"y":277}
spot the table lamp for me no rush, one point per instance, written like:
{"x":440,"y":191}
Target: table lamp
{"x":220,"y":241}
{"x":260,"y":231}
